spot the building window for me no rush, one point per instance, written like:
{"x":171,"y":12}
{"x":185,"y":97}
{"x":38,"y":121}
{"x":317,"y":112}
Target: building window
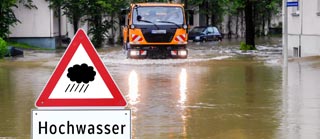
{"x":296,"y":10}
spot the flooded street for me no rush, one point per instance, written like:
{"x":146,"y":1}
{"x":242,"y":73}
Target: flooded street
{"x":219,"y":92}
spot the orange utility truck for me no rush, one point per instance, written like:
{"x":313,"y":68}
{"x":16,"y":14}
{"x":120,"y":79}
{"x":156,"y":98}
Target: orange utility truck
{"x":155,"y":30}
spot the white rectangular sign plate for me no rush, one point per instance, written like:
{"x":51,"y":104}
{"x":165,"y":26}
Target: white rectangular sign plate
{"x":81,"y":124}
{"x":158,"y":31}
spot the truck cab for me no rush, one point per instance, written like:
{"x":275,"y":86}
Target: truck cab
{"x":155,"y":30}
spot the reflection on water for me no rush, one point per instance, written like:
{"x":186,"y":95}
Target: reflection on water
{"x":133,"y":88}
{"x":301,"y":100}
{"x":19,"y":87}
{"x":133,"y":97}
{"x":183,"y":99}
{"x":183,"y":86}
{"x":227,"y":99}
{"x":235,"y":98}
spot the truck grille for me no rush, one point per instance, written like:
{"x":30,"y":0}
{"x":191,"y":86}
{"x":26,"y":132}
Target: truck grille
{"x":158,"y":37}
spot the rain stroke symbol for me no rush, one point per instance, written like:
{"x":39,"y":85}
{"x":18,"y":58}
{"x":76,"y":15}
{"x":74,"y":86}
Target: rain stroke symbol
{"x":82,"y":75}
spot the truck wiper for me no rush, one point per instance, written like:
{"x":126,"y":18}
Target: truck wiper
{"x":169,"y":22}
{"x":147,"y":21}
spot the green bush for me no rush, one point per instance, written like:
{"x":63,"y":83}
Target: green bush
{"x":3,"y":48}
{"x":244,"y":46}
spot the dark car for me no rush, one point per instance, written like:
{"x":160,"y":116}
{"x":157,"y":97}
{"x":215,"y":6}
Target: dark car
{"x":203,"y":33}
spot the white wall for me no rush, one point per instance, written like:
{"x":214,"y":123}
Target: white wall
{"x":34,"y":22}
{"x":310,"y":35}
{"x":311,"y":28}
{"x":311,"y":21}
{"x":310,"y":45}
{"x":196,"y":17}
{"x":41,"y":22}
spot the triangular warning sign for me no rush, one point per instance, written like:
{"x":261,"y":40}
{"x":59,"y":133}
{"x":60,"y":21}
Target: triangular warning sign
{"x":80,"y":79}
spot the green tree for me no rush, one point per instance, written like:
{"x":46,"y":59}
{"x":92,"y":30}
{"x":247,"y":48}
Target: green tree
{"x":73,"y":9}
{"x":264,"y":10}
{"x":101,"y":18}
{"x":211,"y":9}
{"x":7,"y":17}
{"x":3,"y":48}
{"x":258,"y":14}
{"x":98,"y":13}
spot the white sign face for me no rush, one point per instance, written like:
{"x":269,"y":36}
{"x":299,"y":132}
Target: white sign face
{"x":68,"y":89}
{"x":81,"y":124}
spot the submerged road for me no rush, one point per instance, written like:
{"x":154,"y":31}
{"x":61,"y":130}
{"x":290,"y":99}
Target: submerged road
{"x":218,"y":92}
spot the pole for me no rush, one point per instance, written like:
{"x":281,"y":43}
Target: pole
{"x":185,"y":2}
{"x":285,"y":59}
{"x":301,"y":25}
{"x":285,"y":33}
{"x":59,"y":26}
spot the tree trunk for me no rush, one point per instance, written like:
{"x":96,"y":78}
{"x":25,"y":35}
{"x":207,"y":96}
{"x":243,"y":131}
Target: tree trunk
{"x":269,"y":21}
{"x":59,"y":26}
{"x":207,"y":13}
{"x":213,"y":19}
{"x":186,"y":7}
{"x":269,"y":18}
{"x":256,"y":21}
{"x":111,"y":40}
{"x":242,"y":23}
{"x":249,"y":24}
{"x":263,"y":25}
{"x":213,"y":14}
{"x":229,"y":27}
{"x":237,"y":24}
{"x":75,"y":22}
{"x":203,"y":14}
{"x":120,"y":37}
{"x":98,"y":36}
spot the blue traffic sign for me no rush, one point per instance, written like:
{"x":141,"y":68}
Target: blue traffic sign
{"x":293,"y":4}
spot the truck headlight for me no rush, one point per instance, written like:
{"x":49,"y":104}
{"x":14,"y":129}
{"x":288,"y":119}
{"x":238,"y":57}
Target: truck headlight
{"x":197,"y":37}
{"x":134,"y":52}
{"x":182,"y":52}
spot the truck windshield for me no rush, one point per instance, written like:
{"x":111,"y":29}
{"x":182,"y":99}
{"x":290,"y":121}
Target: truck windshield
{"x":159,"y":15}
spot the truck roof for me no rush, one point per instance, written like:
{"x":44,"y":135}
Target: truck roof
{"x":158,"y":4}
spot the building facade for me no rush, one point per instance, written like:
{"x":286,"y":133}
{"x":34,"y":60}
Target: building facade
{"x":304,"y":28}
{"x":40,"y":27}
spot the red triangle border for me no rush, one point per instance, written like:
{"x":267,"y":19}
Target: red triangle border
{"x":81,"y":38}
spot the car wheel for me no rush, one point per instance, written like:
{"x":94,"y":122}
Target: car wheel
{"x":204,"y":40}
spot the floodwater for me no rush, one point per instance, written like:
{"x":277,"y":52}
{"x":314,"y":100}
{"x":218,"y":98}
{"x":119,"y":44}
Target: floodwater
{"x":219,"y":92}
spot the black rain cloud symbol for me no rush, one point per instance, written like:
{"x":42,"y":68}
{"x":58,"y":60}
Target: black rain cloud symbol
{"x":81,"y":74}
